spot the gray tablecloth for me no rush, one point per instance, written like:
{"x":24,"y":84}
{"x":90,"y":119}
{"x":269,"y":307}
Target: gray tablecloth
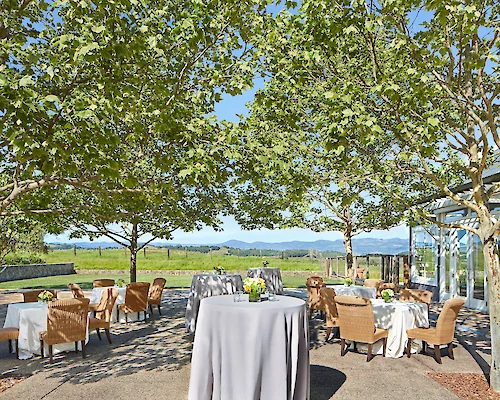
{"x":361,"y":291}
{"x":207,"y":285}
{"x":249,"y":351}
{"x":272,"y":277}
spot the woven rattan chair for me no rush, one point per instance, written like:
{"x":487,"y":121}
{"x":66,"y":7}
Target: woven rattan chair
{"x":314,"y":284}
{"x":32,"y":296}
{"x":418,"y":295}
{"x":10,"y":334}
{"x":442,"y":334}
{"x":332,"y":317}
{"x":155,"y":294}
{"x":102,"y":317}
{"x":66,"y":322}
{"x":384,"y":286}
{"x":76,"y":290}
{"x":136,"y":300}
{"x":374,"y":283}
{"x":104,"y":282}
{"x":357,"y":323}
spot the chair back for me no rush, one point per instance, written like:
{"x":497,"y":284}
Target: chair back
{"x":32,"y":296}
{"x":136,"y":296}
{"x":104,"y":282}
{"x":106,"y":304}
{"x":76,"y":290}
{"x":157,"y":288}
{"x":384,"y":286}
{"x":375,"y":283}
{"x":445,"y":326}
{"x":328,"y":300}
{"x":356,"y":319}
{"x":67,"y":320}
{"x":314,"y":284}
{"x":418,"y":295}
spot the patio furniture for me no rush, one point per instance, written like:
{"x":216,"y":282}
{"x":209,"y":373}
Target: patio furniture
{"x":155,"y":294}
{"x":207,"y":285}
{"x":373,"y":283}
{"x":66,"y":322}
{"x":419,"y":295}
{"x":360,"y":291}
{"x":443,"y":333}
{"x":103,"y":313}
{"x":357,"y":323}
{"x":103,"y":283}
{"x":384,"y":286}
{"x":136,"y":300}
{"x":313,"y":285}
{"x":76,"y":290}
{"x":32,"y":296}
{"x":10,"y":334}
{"x":246,"y":350}
{"x":271,"y":276}
{"x":332,"y":317}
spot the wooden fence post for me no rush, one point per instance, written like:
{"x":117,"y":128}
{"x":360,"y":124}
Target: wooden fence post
{"x":168,"y":254}
{"x":144,"y":252}
{"x":382,"y":268}
{"x":395,"y":274}
{"x":367,"y":267}
{"x":406,"y":272}
{"x":74,"y":249}
{"x":99,"y":248}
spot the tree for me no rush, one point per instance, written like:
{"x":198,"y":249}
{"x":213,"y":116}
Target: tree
{"x":420,"y":79}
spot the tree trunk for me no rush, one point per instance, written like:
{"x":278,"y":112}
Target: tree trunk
{"x":492,"y":266}
{"x":348,"y":252}
{"x":133,"y":253}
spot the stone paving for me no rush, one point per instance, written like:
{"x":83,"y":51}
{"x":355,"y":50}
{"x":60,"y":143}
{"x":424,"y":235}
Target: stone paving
{"x":152,"y":360}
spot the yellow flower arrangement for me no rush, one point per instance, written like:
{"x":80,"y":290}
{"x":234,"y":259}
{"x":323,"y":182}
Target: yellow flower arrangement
{"x":45,"y":296}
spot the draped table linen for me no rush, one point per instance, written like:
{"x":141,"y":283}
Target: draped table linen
{"x":398,"y":317}
{"x":207,"y":285}
{"x":361,"y":291}
{"x":272,"y":277}
{"x":250,"y":351}
{"x":31,"y":319}
{"x":95,"y":298}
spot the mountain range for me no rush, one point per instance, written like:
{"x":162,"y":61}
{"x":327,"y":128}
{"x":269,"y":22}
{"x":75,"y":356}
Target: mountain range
{"x":360,"y":245}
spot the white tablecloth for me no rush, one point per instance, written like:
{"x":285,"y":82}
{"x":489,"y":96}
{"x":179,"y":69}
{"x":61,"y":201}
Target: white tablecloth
{"x":398,"y":317}
{"x":207,"y":285}
{"x":250,"y":351}
{"x":361,"y":291}
{"x":272,"y":277}
{"x":31,"y":319}
{"x":95,"y":298}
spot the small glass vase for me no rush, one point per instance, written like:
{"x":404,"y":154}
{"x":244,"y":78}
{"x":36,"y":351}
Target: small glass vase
{"x":254,"y":297}
{"x":388,"y":299}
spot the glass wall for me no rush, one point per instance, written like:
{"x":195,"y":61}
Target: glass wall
{"x":478,"y":267}
{"x":426,"y":241}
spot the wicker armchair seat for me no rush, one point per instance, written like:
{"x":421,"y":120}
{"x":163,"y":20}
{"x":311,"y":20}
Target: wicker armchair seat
{"x":10,"y":334}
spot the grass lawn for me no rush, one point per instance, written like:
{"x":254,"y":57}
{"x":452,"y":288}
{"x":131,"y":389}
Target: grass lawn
{"x":85,"y":281}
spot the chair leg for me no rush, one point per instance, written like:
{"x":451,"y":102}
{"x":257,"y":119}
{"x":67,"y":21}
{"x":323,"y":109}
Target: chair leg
{"x":369,"y":353}
{"x":50,"y":353}
{"x":10,"y":346}
{"x":424,"y":347}
{"x":450,"y":351}
{"x":84,"y":352}
{"x":342,"y":347}
{"x":408,"y":348}
{"x":41,"y":348}
{"x":76,"y":347}
{"x":355,"y":346}
{"x":107,"y":335}
{"x":385,"y":346}
{"x":126,"y":319}
{"x":328,"y":332}
{"x":159,"y":311}
{"x":437,"y":353}
{"x":17,"y":349}
{"x":151,"y":308}
{"x":98,"y":333}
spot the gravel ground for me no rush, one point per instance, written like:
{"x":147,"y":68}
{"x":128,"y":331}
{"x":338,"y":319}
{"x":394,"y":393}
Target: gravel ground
{"x":466,"y":386}
{"x":10,"y":381}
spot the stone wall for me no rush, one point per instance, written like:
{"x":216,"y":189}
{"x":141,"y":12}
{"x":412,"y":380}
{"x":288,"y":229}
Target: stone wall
{"x":18,"y":272}
{"x":189,"y":272}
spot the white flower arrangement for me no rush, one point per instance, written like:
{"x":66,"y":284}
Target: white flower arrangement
{"x":257,"y":285}
{"x":219,"y":269}
{"x":387,"y":295}
{"x":348,"y":281}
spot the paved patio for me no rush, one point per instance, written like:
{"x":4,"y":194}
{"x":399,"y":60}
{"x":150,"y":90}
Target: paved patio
{"x":152,"y":360}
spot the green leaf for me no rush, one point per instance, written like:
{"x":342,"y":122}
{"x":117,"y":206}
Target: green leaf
{"x":52,"y":98}
{"x":25,"y":81}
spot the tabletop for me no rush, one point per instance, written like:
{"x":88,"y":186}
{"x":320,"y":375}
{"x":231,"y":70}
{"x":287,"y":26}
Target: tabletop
{"x":361,"y":291}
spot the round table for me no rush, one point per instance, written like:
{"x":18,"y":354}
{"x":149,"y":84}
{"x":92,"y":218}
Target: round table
{"x":95,"y":298}
{"x":207,"y":285}
{"x":398,"y":317}
{"x":249,"y":351}
{"x":361,"y":291}
{"x":31,"y":319}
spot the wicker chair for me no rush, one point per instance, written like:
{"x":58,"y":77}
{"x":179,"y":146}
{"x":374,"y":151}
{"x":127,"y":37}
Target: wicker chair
{"x":10,"y":334}
{"x":136,"y":300}
{"x":66,"y":322}
{"x":418,"y":295}
{"x":357,"y":323}
{"x":76,"y":290}
{"x":374,"y":283}
{"x":443,"y":333}
{"x":104,"y":282}
{"x":102,"y":317}
{"x":332,"y":317}
{"x":155,"y":294}
{"x":32,"y":296}
{"x":314,"y":284}
{"x":384,"y":286}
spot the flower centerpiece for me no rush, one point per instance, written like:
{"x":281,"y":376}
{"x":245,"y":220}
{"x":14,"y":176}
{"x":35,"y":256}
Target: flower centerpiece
{"x":387,"y":295}
{"x":348,"y":281}
{"x":45,"y":296}
{"x":265,"y":263}
{"x":219,"y":270}
{"x":254,"y":287}
{"x":120,"y":283}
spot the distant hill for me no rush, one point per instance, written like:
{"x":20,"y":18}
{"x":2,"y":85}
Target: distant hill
{"x":360,"y":245}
